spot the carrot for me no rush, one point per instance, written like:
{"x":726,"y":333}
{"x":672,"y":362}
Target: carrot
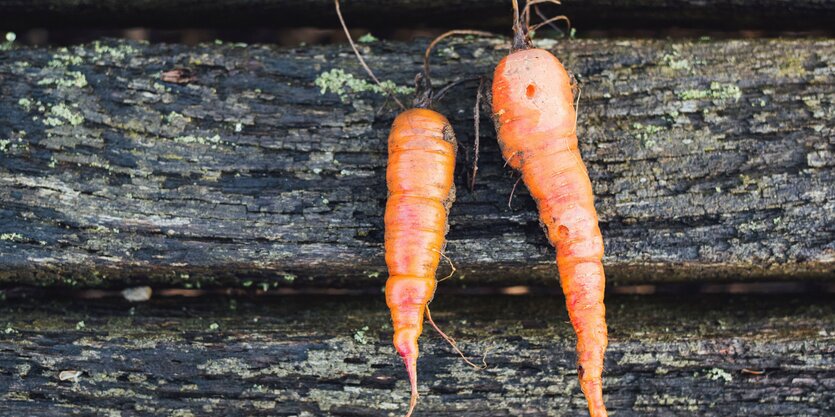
{"x":533,"y":109}
{"x":419,"y":177}
{"x":420,"y":184}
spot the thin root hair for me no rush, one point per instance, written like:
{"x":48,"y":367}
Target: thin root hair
{"x":451,"y":265}
{"x":477,"y":136}
{"x":454,"y":345}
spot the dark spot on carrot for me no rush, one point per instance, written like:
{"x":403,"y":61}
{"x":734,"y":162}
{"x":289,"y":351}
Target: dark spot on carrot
{"x":580,"y":371}
{"x":562,"y":232}
{"x":530,"y":91}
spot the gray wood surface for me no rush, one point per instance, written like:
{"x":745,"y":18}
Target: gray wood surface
{"x":303,"y":356}
{"x":710,"y":160}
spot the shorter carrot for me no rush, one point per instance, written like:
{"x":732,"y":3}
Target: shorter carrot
{"x":419,"y":175}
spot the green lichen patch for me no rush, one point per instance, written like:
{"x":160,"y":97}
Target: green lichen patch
{"x":60,"y":113}
{"x":367,"y":38}
{"x":646,"y":133}
{"x":449,"y":53}
{"x":716,"y":374}
{"x":717,"y":91}
{"x":70,"y":79}
{"x":25,"y":103}
{"x":118,"y":52}
{"x":792,"y":67}
{"x":227,"y":366}
{"x":12,"y":237}
{"x":360,"y":337}
{"x":676,"y":62}
{"x":63,"y":58}
{"x":343,"y":84}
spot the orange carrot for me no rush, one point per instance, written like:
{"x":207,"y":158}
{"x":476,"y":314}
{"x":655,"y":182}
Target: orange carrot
{"x":419,"y":175}
{"x":420,"y":183}
{"x":533,"y":107}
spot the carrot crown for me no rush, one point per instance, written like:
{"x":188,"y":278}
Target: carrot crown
{"x":423,"y":92}
{"x":521,"y":38}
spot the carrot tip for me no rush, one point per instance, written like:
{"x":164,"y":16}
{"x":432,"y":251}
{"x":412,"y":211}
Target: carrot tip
{"x":593,"y":391}
{"x":411,"y":368}
{"x":412,"y":402}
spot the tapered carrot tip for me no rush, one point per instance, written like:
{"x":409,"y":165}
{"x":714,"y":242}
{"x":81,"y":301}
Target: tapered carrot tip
{"x":593,"y":390}
{"x":411,"y":368}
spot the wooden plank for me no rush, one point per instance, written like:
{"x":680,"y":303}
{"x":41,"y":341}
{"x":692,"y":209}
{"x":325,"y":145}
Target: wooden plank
{"x":302,"y":356}
{"x":710,"y":160}
{"x":391,"y":15}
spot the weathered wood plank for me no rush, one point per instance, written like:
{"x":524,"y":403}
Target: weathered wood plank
{"x":305,"y":356}
{"x":586,"y":14}
{"x":710,"y":160}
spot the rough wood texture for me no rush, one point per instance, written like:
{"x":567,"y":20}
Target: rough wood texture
{"x":710,"y":160}
{"x":331,"y":356}
{"x":586,"y":14}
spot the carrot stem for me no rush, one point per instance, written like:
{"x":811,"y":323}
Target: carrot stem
{"x":521,"y":41}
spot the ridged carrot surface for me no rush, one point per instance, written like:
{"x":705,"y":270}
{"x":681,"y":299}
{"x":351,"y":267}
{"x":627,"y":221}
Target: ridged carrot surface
{"x":533,"y":107}
{"x":421,"y":153}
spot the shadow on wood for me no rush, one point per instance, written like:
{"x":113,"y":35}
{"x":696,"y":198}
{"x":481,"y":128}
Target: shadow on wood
{"x":392,"y":15}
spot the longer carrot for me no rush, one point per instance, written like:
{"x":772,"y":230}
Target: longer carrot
{"x":536,"y":122}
